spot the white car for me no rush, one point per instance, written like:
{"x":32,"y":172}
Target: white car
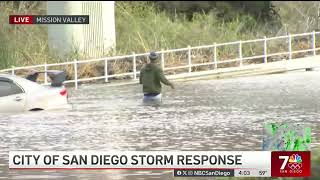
{"x":19,"y":94}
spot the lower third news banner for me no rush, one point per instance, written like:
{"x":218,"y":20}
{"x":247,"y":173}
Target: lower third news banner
{"x":183,"y":163}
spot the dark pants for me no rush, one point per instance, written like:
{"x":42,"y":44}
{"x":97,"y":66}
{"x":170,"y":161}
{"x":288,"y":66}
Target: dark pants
{"x":153,"y":98}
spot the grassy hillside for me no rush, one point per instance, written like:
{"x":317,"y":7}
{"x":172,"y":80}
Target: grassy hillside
{"x":141,"y":27}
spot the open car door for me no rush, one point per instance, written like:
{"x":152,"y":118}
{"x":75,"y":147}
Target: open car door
{"x":57,"y":77}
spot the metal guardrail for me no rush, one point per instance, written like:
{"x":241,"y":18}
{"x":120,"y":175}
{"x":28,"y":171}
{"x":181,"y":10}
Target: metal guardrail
{"x":215,"y":61}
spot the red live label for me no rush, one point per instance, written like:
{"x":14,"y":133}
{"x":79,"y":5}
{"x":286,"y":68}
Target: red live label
{"x":20,"y":19}
{"x":290,"y":164}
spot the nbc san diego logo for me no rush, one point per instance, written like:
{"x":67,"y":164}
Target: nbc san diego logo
{"x":295,"y":163}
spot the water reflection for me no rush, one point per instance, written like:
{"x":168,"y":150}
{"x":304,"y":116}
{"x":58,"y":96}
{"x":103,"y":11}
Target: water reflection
{"x":203,"y":115}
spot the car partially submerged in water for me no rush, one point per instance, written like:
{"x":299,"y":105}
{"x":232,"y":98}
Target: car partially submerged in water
{"x":19,"y":94}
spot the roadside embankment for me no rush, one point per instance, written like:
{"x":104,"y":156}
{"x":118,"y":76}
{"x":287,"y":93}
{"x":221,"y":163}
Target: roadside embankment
{"x":248,"y":70}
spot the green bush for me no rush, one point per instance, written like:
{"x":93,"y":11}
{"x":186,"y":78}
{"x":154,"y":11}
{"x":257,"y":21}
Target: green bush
{"x":142,"y":27}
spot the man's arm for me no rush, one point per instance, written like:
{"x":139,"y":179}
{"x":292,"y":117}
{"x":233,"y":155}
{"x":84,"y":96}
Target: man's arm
{"x":164,"y":80}
{"x":140,"y":77}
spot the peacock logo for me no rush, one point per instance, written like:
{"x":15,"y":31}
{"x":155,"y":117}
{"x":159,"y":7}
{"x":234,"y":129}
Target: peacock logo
{"x":295,"y":162}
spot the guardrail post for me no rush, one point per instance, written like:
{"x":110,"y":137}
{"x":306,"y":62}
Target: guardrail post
{"x":189,"y":59}
{"x":265,"y":51}
{"x":240,"y":52}
{"x":45,"y":73}
{"x":134,"y":66}
{"x":12,"y":70}
{"x":290,"y":48}
{"x":314,"y":42}
{"x":75,"y":66}
{"x":106,"y":70}
{"x":215,"y":56}
{"x":162,"y":59}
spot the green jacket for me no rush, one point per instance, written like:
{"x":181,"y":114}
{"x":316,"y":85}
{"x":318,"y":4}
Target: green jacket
{"x":151,"y":76}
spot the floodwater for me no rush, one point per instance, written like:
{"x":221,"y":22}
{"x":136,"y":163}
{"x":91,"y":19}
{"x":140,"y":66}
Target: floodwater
{"x":200,"y":115}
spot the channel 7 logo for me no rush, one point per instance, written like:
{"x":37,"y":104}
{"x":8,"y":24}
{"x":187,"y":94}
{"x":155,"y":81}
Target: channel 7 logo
{"x":290,"y":164}
{"x":294,"y":162}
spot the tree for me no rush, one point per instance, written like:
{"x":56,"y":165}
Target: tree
{"x":226,"y":10}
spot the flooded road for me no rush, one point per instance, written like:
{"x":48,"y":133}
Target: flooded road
{"x":199,"y":115}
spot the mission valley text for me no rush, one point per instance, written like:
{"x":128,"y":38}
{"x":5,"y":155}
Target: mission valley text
{"x":61,"y":19}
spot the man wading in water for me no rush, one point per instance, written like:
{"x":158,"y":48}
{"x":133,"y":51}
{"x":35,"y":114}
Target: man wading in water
{"x":151,"y":76}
